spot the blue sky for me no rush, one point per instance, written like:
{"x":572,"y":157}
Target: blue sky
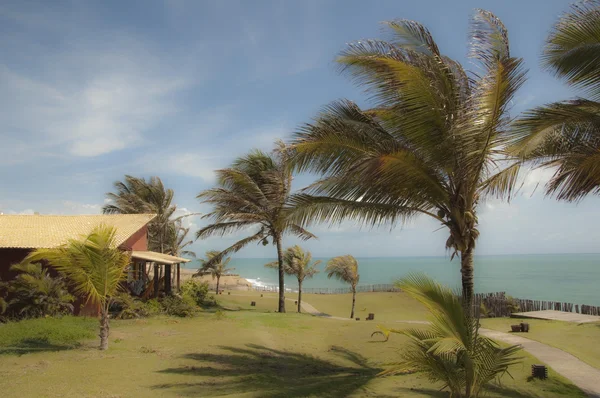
{"x":90,"y":91}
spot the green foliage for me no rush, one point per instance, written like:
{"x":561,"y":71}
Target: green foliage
{"x":566,"y":135}
{"x":45,"y":333}
{"x":153,"y":306}
{"x":125,"y":306}
{"x":196,"y":290}
{"x":297,"y":262}
{"x":513,"y":305}
{"x":451,"y":350}
{"x":179,"y":306}
{"x":429,"y":145}
{"x":343,"y":268}
{"x":34,"y":293}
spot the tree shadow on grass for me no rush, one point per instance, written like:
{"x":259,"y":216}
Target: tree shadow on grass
{"x":271,"y":373}
{"x":31,"y":345}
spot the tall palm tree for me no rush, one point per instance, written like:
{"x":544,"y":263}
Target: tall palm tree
{"x":566,"y":134}
{"x":138,"y":195}
{"x":297,"y":262}
{"x":430,"y":144}
{"x":253,"y":192}
{"x":216,"y":269}
{"x":345,"y":268}
{"x":95,"y":268}
{"x":450,"y":350}
{"x":177,"y":240}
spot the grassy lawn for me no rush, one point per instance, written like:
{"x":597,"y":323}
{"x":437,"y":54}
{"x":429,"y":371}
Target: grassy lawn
{"x":579,"y":340}
{"x":246,"y":353}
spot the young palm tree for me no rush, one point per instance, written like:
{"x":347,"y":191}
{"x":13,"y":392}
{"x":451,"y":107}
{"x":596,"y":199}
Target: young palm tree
{"x":253,"y":192}
{"x":430,"y":144}
{"x":138,"y":196}
{"x":566,"y":134}
{"x":345,"y":268}
{"x":94,"y":266}
{"x":296,"y":262}
{"x":450,"y":350}
{"x":216,"y":269}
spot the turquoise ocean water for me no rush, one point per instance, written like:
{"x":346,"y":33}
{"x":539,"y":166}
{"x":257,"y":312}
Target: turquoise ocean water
{"x":573,"y":278}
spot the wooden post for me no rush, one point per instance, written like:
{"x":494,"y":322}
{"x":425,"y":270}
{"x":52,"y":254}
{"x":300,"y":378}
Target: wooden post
{"x":178,"y":276}
{"x":155,"y":280}
{"x":168,"y":284}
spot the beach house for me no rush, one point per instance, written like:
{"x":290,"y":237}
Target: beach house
{"x":148,"y":273}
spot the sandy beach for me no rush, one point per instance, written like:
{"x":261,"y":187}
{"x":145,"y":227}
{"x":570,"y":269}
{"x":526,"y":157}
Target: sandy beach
{"x":228,"y":282}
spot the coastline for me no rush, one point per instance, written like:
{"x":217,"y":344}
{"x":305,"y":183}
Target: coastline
{"x":228,"y":282}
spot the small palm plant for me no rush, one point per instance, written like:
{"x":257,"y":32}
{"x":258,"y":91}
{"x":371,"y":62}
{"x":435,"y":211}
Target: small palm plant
{"x":345,"y":268}
{"x":95,"y":268}
{"x":34,"y":293}
{"x":451,"y":350}
{"x":216,"y":269}
{"x":296,"y":262}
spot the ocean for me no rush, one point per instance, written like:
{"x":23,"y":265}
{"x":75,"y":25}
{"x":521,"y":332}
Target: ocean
{"x":572,"y":278}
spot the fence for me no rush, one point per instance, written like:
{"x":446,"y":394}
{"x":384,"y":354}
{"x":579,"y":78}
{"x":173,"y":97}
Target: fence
{"x":499,"y":305}
{"x":339,"y":290}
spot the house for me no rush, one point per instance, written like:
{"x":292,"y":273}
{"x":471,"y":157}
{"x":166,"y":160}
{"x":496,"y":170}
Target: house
{"x":21,"y":234}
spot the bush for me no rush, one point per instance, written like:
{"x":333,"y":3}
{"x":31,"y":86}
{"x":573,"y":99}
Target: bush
{"x":34,"y":293}
{"x":125,"y":306}
{"x":45,"y":334}
{"x":179,"y":306}
{"x":196,"y":290}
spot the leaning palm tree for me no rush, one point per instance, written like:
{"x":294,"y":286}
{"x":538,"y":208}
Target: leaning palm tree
{"x":297,"y":262}
{"x":253,"y":193}
{"x":566,"y":134}
{"x":430,"y":144}
{"x":216,"y":269}
{"x":177,"y":240}
{"x":345,"y":268}
{"x":451,"y":350}
{"x":95,"y":268}
{"x":138,"y":195}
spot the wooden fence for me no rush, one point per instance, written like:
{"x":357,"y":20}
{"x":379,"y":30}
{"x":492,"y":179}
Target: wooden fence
{"x":339,"y":290}
{"x":499,"y":305}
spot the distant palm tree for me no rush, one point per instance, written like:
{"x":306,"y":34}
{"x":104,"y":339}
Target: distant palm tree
{"x":451,"y":350}
{"x":566,"y":134}
{"x":95,"y":268}
{"x":176,"y":240}
{"x":345,"y":268}
{"x":429,"y":146}
{"x":216,"y":269}
{"x":253,"y":192}
{"x":137,"y":195}
{"x":296,"y":262}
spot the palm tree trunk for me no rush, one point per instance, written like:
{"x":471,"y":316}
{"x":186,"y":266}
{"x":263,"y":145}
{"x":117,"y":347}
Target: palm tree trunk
{"x":466,"y":269}
{"x":218,"y":279}
{"x":104,"y":328}
{"x":299,"y":296}
{"x":281,"y":274}
{"x":353,"y":301}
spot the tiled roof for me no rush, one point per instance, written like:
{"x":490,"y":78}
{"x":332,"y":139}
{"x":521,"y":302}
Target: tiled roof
{"x":45,"y":231}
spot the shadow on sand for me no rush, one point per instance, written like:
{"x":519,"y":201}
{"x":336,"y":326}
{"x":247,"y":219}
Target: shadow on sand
{"x":270,"y":373}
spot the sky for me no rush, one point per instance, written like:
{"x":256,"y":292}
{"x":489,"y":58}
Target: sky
{"x":92,"y":91}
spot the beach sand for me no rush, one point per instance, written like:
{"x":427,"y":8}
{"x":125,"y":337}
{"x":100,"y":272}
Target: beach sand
{"x":228,"y":282}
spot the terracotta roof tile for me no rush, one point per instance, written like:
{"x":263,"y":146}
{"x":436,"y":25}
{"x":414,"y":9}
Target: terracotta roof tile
{"x":47,"y":231}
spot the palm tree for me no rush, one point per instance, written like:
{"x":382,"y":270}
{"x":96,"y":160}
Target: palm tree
{"x":176,"y":240}
{"x":566,"y":134}
{"x":95,"y":268}
{"x":253,"y":192}
{"x":450,"y":350}
{"x":297,"y":262}
{"x":345,"y":268}
{"x":138,"y":196}
{"x":429,"y":145}
{"x":216,"y":269}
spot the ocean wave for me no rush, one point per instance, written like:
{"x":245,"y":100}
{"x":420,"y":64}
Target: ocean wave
{"x":257,"y":283}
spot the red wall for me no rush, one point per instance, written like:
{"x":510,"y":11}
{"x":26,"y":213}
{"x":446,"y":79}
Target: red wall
{"x":137,"y":241}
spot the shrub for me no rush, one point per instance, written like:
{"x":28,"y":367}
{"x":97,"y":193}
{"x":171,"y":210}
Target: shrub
{"x":179,"y":306}
{"x":34,"y":293}
{"x":196,"y":290}
{"x":125,"y":306}
{"x":512,"y":304}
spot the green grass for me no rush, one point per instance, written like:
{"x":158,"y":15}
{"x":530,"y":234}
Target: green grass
{"x":245,"y":353}
{"x":45,"y":334}
{"x":579,"y":340}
